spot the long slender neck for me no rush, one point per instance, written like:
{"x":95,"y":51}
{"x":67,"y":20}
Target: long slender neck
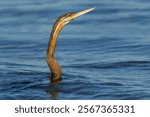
{"x":55,"y":68}
{"x":53,"y":39}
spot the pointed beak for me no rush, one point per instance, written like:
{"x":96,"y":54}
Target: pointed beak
{"x":75,"y":15}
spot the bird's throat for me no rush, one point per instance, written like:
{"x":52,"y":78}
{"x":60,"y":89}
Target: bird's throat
{"x":53,"y":39}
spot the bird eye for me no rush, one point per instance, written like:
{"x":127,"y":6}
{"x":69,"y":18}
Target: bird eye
{"x":69,"y":15}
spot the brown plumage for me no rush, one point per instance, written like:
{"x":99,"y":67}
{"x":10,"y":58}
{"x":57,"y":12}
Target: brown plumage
{"x":55,"y":68}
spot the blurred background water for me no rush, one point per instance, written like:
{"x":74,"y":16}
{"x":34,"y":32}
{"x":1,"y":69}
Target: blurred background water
{"x":104,"y":54}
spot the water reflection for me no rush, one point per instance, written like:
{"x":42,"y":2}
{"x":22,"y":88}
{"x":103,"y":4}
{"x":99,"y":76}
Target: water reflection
{"x":54,"y":90}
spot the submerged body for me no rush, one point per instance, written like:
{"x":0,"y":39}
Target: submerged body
{"x":55,"y":68}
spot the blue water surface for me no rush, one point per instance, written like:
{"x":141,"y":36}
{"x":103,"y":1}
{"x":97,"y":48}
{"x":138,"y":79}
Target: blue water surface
{"x":104,"y":54}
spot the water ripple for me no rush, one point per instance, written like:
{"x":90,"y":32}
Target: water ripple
{"x":112,"y":65}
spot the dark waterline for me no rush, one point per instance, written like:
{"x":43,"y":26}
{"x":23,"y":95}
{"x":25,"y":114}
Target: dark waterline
{"x":104,"y":54}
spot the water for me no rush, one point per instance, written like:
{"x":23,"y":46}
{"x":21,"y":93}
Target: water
{"x":104,"y":54}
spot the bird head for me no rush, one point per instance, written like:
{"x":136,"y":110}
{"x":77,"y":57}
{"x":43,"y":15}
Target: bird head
{"x":66,"y":18}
